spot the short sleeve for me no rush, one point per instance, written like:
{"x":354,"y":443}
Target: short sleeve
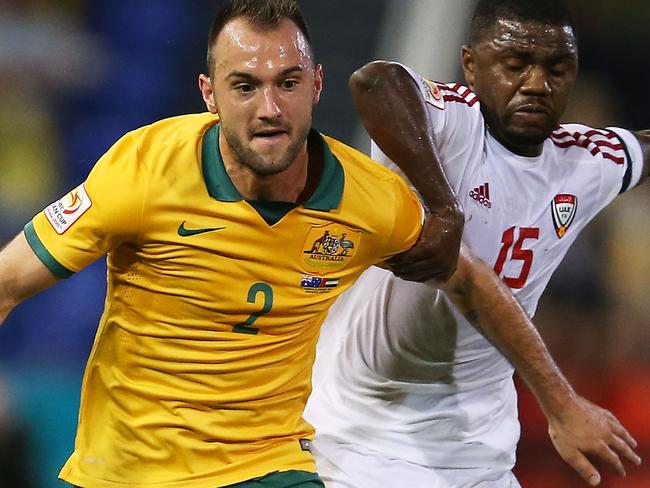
{"x":633,"y":158}
{"x":408,"y":220}
{"x":457,"y":125}
{"x":432,"y":94}
{"x":619,"y":158}
{"x":95,"y":217}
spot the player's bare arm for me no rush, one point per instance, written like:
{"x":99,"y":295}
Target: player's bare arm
{"x":394,"y":114}
{"x":22,"y":275}
{"x":578,"y":428}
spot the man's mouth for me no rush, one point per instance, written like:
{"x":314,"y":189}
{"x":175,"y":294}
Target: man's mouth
{"x":532,"y":108}
{"x":269,"y":133}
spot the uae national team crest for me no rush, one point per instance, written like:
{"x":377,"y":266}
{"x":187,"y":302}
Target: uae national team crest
{"x":563,"y":209}
{"x":330,"y":247}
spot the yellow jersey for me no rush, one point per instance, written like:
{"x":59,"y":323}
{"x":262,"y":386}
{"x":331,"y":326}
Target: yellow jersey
{"x":201,"y":365}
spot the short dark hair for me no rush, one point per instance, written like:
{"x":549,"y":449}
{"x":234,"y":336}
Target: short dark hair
{"x":266,"y":13}
{"x":487,"y":12}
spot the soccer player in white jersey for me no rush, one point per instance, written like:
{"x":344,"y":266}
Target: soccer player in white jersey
{"x":408,"y":391}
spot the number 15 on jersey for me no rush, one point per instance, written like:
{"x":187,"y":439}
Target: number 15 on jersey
{"x":516,"y":252}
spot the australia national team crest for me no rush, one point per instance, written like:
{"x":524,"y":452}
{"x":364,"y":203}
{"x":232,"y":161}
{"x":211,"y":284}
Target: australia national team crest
{"x":563,"y":209}
{"x":330,"y":247}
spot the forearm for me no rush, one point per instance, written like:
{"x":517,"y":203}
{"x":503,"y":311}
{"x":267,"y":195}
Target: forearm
{"x":492,"y":308}
{"x":395,"y":115}
{"x":5,"y":308}
{"x":21,"y":275}
{"x":8,"y":299}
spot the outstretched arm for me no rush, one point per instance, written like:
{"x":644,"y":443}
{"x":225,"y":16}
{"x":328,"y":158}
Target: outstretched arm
{"x":577,"y":427}
{"x":395,"y":115}
{"x":22,"y":275}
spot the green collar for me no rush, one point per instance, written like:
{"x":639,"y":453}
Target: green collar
{"x":326,"y":197}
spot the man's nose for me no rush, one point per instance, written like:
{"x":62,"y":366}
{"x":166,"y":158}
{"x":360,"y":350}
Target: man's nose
{"x":535,"y":81}
{"x":269,"y":105}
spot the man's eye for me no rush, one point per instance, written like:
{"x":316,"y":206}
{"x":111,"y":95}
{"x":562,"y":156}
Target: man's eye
{"x":513,"y":64}
{"x":289,"y":84}
{"x":558,"y":69}
{"x":245,"y":88}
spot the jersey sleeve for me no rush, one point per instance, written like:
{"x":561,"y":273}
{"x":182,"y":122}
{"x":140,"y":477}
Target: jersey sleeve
{"x":434,"y":99}
{"x":614,"y":155}
{"x":95,"y":217}
{"x":456,"y":121}
{"x":408,"y":218}
{"x":633,"y":158}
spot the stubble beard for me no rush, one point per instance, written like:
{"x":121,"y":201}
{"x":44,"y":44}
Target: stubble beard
{"x":260,"y":165}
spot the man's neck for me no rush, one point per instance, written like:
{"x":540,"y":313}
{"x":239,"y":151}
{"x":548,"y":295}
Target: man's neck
{"x":286,"y":186}
{"x":526,"y":150}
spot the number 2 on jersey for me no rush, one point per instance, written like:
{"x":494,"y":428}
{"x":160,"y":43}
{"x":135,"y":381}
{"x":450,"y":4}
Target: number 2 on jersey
{"x":266,"y":290}
{"x":518,"y":254}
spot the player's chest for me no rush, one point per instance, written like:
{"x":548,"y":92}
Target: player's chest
{"x":522,"y":223}
{"x":232,"y":247}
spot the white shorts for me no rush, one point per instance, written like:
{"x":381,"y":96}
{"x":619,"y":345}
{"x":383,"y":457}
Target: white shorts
{"x":348,"y":466}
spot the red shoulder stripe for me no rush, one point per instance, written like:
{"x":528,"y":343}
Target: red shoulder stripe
{"x":592,"y":140}
{"x":617,"y":160}
{"x":460,"y":99}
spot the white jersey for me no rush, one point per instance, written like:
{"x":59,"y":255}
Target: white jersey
{"x":399,"y":371}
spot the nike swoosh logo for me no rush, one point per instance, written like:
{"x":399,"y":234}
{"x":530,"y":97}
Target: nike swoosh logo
{"x":184,"y":232}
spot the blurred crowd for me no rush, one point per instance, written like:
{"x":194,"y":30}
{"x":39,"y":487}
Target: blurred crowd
{"x":76,"y":75}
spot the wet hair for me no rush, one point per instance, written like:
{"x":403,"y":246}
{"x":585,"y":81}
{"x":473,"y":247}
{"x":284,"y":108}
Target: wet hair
{"x":488,"y":12}
{"x":263,"y":13}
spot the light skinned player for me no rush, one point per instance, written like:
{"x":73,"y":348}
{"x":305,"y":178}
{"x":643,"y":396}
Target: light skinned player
{"x":228,"y":234}
{"x":409,"y":390}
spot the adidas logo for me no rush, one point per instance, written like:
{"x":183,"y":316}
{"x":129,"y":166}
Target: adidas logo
{"x":482,"y":195}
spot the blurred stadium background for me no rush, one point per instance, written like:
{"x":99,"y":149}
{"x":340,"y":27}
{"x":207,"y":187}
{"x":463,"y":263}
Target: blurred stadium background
{"x":75,"y":75}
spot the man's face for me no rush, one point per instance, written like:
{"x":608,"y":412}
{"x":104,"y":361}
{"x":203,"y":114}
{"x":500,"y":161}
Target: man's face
{"x":522,"y":73}
{"x":264,"y":86}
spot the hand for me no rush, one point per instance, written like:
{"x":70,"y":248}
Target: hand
{"x":585,"y":429}
{"x":435,"y":254}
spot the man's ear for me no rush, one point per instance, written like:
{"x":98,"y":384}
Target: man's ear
{"x":468,"y":62}
{"x":318,"y":83}
{"x":205,"y":85}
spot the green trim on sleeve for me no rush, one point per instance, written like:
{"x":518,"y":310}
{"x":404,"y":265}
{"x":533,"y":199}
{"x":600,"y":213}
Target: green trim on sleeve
{"x":43,"y":254}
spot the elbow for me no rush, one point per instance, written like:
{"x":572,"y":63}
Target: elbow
{"x":450,"y":224}
{"x":456,"y":216}
{"x":451,"y":220}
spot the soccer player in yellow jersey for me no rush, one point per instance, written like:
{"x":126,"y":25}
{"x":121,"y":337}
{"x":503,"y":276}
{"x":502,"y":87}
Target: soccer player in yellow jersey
{"x":228,"y":236}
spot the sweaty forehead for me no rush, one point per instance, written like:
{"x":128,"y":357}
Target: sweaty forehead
{"x":508,"y":34}
{"x":252,"y":46}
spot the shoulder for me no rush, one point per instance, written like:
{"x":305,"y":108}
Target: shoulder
{"x":358,"y":165}
{"x":457,"y":94}
{"x":589,"y":144}
{"x":174,"y":130}
{"x":455,"y":111}
{"x":439,"y":95}
{"x":156,"y":147}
